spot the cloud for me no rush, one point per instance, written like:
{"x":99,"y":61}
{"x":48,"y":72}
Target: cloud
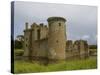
{"x":81,"y":19}
{"x":85,"y":37}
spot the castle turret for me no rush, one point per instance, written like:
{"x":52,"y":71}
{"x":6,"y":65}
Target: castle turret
{"x":27,"y":34}
{"x":56,"y":38}
{"x":26,"y":24}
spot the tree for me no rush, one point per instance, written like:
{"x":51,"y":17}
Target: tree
{"x":93,"y":46}
{"x":20,"y":38}
{"x":18,"y":43}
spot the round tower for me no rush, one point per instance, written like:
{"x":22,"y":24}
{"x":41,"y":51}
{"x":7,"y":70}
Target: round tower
{"x":56,"y":38}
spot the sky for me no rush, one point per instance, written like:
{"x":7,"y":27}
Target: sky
{"x":81,"y":19}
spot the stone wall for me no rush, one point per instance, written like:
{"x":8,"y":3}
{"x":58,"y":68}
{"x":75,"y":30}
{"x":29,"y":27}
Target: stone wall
{"x":40,"y":48}
{"x":35,"y":40}
{"x":69,"y":45}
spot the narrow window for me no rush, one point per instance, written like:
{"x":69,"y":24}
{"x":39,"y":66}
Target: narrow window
{"x":59,"y":24}
{"x":57,"y":41}
{"x":38,"y":34}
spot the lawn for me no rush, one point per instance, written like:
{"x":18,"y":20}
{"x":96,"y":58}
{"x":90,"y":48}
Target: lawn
{"x":29,"y":67}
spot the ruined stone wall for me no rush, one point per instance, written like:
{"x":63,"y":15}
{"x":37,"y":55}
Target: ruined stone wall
{"x":69,"y":45}
{"x":77,"y":49}
{"x":83,"y":49}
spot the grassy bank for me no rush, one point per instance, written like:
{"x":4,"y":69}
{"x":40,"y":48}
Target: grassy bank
{"x":26,"y":67}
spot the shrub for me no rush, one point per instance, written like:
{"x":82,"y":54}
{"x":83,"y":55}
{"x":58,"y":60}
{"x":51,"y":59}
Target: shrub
{"x":18,"y":52}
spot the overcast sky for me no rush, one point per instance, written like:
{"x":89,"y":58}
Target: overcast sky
{"x":81,"y":20}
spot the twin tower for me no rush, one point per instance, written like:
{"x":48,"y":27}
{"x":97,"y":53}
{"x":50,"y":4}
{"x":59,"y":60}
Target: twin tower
{"x":49,"y":42}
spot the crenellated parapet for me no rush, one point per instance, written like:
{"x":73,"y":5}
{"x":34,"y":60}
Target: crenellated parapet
{"x":35,"y":26}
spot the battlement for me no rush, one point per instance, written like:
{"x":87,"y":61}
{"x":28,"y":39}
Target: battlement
{"x":41,"y":24}
{"x":38,"y":31}
{"x":33,"y":25}
{"x":38,"y":26}
{"x":56,"y":19}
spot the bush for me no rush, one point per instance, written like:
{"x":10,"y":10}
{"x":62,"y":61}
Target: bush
{"x":18,"y":44}
{"x":92,"y":46}
{"x":18,"y":52}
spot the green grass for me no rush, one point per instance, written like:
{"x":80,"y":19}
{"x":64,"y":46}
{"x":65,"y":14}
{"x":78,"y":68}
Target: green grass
{"x":28,"y":67}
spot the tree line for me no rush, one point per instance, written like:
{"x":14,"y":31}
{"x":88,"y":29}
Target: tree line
{"x":18,"y":43}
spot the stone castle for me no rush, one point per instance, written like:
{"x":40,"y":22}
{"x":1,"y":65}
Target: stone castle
{"x":51,"y":42}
